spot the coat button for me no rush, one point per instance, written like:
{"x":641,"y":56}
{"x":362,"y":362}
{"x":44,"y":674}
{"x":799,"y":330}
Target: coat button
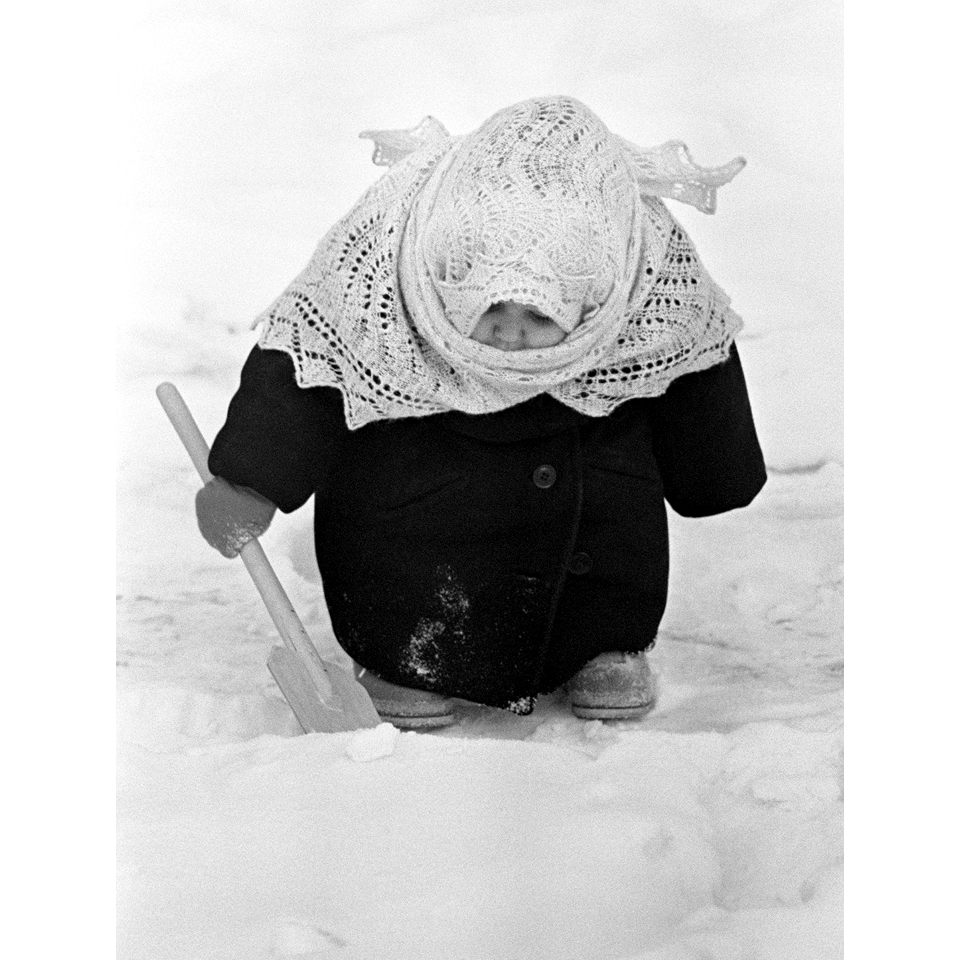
{"x":580,"y":563}
{"x":545,"y":477}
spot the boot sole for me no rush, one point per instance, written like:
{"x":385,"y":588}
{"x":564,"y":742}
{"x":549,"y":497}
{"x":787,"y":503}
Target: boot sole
{"x":612,"y":713}
{"x":407,"y":722}
{"x":414,"y":715}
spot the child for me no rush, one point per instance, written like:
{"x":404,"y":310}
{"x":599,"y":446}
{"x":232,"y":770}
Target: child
{"x":494,"y":370}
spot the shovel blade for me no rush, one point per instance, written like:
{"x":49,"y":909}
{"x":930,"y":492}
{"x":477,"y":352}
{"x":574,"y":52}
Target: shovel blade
{"x":349,"y":709}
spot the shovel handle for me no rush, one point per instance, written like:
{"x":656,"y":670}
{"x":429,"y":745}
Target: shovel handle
{"x":186,"y":427}
{"x":278,"y":604}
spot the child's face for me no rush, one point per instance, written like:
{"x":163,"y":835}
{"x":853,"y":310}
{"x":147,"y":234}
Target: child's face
{"x":516,"y":326}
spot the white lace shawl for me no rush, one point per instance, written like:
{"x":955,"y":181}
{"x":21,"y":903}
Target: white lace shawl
{"x":541,"y":205}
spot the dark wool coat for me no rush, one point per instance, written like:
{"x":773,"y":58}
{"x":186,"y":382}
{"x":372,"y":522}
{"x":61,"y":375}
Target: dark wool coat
{"x":490,"y":556}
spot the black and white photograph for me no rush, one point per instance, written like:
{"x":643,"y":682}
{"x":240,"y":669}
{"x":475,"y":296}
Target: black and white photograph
{"x":480,"y":481}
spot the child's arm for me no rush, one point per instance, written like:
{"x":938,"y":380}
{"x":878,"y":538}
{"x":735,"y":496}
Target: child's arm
{"x":279,"y":439}
{"x":705,"y":441}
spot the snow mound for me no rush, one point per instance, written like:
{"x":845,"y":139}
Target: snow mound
{"x":373,"y":744}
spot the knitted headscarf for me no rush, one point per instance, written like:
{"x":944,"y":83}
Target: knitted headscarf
{"x":541,"y":205}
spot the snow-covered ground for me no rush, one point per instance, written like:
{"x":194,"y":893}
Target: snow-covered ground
{"x":712,"y":829}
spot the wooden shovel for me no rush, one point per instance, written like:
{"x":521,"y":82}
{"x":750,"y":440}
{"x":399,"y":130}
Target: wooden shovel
{"x":324,"y":697}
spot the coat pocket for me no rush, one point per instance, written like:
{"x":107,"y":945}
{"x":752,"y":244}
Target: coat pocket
{"x":419,"y":497}
{"x":637,"y":463}
{"x":622,"y":484}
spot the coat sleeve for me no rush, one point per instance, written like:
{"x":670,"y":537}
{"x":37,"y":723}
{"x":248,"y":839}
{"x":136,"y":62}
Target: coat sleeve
{"x":280,"y":439}
{"x":705,"y":441}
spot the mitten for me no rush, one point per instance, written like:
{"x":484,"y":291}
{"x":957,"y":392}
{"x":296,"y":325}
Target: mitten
{"x":229,"y":516}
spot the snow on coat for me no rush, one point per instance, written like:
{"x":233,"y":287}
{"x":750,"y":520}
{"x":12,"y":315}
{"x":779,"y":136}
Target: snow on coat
{"x":490,"y":556}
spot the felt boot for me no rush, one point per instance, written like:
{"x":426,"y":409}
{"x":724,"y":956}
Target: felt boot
{"x":405,"y":707}
{"x":613,"y":686}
